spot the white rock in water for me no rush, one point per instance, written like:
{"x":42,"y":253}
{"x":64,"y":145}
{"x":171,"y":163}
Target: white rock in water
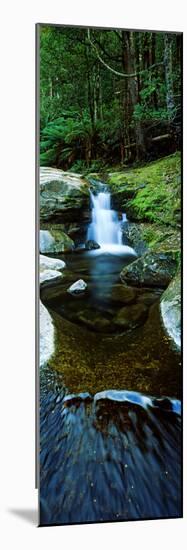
{"x":49,"y":274}
{"x":49,"y":268}
{"x":46,"y":335}
{"x":51,"y":263}
{"x":78,"y":286}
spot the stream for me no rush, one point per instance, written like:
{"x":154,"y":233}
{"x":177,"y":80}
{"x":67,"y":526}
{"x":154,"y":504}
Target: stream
{"x":110,"y":398}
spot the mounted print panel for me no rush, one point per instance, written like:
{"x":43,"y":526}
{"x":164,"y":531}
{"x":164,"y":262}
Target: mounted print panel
{"x":110,"y":374}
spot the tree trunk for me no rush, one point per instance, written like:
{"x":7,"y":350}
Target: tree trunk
{"x":132,"y":89}
{"x":153,"y":60}
{"x":168,"y":74}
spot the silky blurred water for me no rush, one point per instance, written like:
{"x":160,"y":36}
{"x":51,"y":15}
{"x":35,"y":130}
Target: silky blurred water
{"x":106,"y":460}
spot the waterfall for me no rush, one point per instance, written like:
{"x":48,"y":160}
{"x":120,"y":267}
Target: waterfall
{"x":105,"y":227}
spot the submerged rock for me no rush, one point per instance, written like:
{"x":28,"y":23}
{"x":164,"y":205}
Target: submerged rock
{"x":171,"y":309}
{"x":77,"y":287}
{"x":64,"y":196}
{"x":131,"y":316}
{"x":93,"y":320}
{"x":148,"y":298}
{"x":46,"y":335}
{"x":55,"y":241}
{"x":119,"y":294}
{"x":92,"y":245}
{"x":154,"y":269}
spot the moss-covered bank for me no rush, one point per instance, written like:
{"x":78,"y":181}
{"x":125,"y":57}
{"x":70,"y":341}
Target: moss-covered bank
{"x":150,"y":193}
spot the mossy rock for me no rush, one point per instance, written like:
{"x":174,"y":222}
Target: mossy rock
{"x":63,"y":195}
{"x":145,"y":236}
{"x":55,"y":241}
{"x":154,"y":269}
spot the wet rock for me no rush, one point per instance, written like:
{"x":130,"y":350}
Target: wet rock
{"x":91,"y":245}
{"x":46,"y":335}
{"x":154,"y":269}
{"x":76,"y":399}
{"x":163,"y":403}
{"x":55,"y":241}
{"x":64,"y":196}
{"x":133,"y":233}
{"x":136,"y":398}
{"x":122,"y":396}
{"x":171,"y":310}
{"x":131,"y":316}
{"x":167,"y":404}
{"x":77,"y":287}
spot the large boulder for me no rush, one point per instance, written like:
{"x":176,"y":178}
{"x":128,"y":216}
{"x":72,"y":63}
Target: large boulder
{"x":46,"y":335}
{"x":64,"y":196}
{"x":170,"y":306}
{"x":55,"y":241}
{"x":154,"y":269}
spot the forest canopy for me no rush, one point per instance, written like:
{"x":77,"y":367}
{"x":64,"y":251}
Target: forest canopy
{"x":108,"y":97}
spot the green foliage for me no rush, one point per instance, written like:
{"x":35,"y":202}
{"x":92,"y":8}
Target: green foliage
{"x":89,"y":114}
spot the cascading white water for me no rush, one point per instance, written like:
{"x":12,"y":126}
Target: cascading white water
{"x":105,"y":228}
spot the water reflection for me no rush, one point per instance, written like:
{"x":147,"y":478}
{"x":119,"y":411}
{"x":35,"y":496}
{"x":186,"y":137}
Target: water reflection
{"x":105,"y":460}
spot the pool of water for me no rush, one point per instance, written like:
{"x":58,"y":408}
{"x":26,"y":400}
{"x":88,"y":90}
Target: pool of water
{"x":93,"y":352}
{"x":114,"y":455}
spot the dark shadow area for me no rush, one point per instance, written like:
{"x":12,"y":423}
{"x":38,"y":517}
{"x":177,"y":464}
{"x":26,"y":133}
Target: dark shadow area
{"x":26,"y":514}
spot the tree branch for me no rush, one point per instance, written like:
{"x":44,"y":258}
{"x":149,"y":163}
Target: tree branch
{"x":111,"y":57}
{"x":124,"y":75}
